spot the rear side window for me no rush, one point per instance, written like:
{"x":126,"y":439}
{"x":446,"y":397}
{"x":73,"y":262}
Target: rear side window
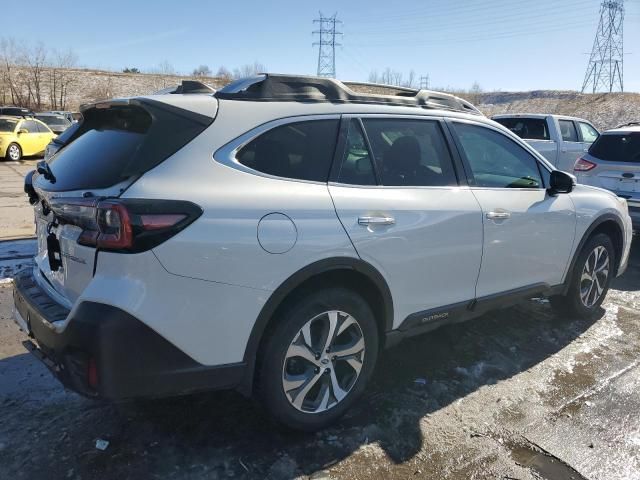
{"x":528,"y":128}
{"x":119,"y":142}
{"x":568,"y":131}
{"x":617,"y":147}
{"x":357,"y":164}
{"x":495,"y":160}
{"x":410,"y":152}
{"x":589,"y":134}
{"x":299,"y":150}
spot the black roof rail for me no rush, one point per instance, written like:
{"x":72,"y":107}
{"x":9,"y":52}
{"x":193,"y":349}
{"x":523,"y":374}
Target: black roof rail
{"x":297,"y":88}
{"x":187,"y":87}
{"x":630,"y":124}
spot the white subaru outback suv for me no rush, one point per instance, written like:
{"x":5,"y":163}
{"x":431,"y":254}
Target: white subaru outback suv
{"x":275,"y":235}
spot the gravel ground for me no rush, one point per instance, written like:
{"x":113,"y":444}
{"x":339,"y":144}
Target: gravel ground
{"x":517,"y":394}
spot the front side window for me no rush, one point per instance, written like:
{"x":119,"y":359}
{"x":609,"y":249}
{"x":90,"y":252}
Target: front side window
{"x":299,"y":150}
{"x":568,"y":131}
{"x":495,"y":160}
{"x":42,"y":128}
{"x":357,"y":165}
{"x":589,"y":134}
{"x":410,"y":152}
{"x":529,"y":128}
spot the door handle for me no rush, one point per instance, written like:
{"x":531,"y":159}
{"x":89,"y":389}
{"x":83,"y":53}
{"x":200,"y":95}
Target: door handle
{"x":498,"y":215}
{"x":376,"y":221}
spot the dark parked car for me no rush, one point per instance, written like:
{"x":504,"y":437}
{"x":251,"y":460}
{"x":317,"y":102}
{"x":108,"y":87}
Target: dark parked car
{"x":16,"y":112}
{"x":55,"y":122}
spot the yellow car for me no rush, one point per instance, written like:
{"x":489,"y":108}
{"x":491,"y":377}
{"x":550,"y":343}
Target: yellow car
{"x":23,"y":137}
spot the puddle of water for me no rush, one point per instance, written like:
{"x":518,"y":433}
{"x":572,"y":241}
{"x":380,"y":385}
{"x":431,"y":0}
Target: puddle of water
{"x":547,"y":466}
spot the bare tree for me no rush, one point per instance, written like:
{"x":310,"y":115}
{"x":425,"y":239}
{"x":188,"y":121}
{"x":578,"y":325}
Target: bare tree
{"x":249,"y":70}
{"x":9,"y":57}
{"x":165,"y":72}
{"x":201,"y":71}
{"x":60,"y":78}
{"x":224,"y":74}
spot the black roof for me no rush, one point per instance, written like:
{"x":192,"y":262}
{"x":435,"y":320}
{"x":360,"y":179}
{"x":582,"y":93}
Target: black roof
{"x":295,"y":88}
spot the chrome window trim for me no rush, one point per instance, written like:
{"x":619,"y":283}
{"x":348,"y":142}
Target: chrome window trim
{"x":226,"y":155}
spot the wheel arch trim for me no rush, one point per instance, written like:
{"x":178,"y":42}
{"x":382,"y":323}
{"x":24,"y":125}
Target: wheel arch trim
{"x":296,"y":280}
{"x":599,"y":221}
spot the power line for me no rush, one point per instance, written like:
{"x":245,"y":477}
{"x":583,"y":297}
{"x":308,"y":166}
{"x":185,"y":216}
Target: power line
{"x":606,"y":63}
{"x":327,"y":45}
{"x":424,"y":82}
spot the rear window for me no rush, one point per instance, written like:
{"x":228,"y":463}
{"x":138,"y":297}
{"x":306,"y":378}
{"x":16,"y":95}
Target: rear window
{"x":617,"y":147}
{"x":116,"y":143}
{"x":529,"y":128}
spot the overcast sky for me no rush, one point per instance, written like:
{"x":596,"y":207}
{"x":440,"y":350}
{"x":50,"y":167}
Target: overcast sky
{"x":506,"y":45}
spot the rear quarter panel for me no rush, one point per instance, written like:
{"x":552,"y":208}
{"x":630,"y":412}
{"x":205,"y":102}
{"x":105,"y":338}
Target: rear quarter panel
{"x":222,"y":245}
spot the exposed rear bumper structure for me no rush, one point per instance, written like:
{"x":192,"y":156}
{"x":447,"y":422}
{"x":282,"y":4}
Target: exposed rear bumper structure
{"x":102,"y":351}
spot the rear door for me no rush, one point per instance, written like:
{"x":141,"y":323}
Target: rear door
{"x":528,"y":234}
{"x":571,"y":147}
{"x":397,"y":194}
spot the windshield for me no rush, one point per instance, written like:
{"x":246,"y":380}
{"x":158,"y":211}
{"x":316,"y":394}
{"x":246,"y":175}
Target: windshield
{"x":617,"y":147}
{"x":7,"y":125}
{"x":50,"y":120}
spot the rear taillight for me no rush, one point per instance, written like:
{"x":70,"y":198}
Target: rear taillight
{"x":583,"y":165}
{"x":125,"y":225}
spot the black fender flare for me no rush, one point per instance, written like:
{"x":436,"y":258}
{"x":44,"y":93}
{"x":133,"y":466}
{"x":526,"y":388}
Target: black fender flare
{"x":294,"y":281}
{"x":607,"y":217}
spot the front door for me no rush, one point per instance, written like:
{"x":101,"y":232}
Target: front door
{"x":398,"y":197}
{"x":528,"y":234}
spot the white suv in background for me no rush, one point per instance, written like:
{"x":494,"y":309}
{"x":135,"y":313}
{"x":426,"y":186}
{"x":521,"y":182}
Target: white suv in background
{"x":613,"y":162}
{"x":275,"y":235}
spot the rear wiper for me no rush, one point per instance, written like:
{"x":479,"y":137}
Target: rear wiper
{"x":45,"y":170}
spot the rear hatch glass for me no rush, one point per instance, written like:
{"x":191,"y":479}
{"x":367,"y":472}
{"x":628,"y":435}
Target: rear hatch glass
{"x":119,"y":141}
{"x":617,"y":147}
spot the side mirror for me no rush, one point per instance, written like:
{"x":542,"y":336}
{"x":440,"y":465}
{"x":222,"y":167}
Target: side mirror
{"x":23,"y":130}
{"x":561,"y":182}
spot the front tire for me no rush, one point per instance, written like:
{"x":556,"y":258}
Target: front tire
{"x":590,"y":279}
{"x":14,"y":152}
{"x":318,"y":359}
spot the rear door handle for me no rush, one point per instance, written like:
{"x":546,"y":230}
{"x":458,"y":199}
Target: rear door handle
{"x":376,"y":221}
{"x":498,"y":215}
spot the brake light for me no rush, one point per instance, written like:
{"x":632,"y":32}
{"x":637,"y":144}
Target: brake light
{"x":583,"y":165}
{"x":125,"y":225}
{"x":114,"y":225}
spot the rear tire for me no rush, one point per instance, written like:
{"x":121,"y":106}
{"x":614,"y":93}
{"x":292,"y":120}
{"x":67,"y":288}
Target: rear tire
{"x":14,"y":152}
{"x":590,"y":279}
{"x":316,"y":362}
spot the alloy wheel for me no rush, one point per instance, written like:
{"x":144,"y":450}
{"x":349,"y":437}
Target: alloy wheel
{"x":323,"y":362}
{"x":14,"y":152}
{"x":594,"y":276}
